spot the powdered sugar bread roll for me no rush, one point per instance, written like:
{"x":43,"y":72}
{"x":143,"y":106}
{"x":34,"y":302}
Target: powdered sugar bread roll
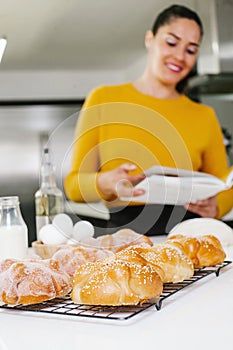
{"x":122,"y":239}
{"x":32,"y":281}
{"x":71,"y":257}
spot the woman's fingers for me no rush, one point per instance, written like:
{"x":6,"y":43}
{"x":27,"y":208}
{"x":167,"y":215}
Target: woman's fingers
{"x":125,"y":188}
{"x":133,"y":179}
{"x":128,"y":167}
{"x":119,"y":182}
{"x":204,"y":208}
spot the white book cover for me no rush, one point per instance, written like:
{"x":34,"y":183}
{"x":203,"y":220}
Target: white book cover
{"x":165,"y":185}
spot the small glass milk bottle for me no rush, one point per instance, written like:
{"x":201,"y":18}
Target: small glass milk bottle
{"x":13,"y":230}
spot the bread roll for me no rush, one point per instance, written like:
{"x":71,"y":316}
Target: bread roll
{"x":203,"y":250}
{"x":115,"y":282}
{"x":122,"y":239}
{"x":71,"y":257}
{"x":205,"y":226}
{"x":137,"y":254}
{"x":32,"y":281}
{"x":171,"y":262}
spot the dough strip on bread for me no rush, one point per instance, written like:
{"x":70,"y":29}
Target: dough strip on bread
{"x":203,"y":250}
{"x":172,"y":263}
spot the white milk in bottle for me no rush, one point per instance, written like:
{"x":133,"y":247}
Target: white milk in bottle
{"x":13,"y":230}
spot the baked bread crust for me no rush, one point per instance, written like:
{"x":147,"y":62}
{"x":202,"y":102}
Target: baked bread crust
{"x":203,"y":250}
{"x":32,"y":281}
{"x":116,"y":282}
{"x":122,"y":239}
{"x":70,"y":258}
{"x":172,"y":263}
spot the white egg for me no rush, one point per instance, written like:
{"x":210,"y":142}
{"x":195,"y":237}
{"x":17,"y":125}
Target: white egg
{"x":83,"y":230}
{"x":50,"y":235}
{"x":63,"y":224}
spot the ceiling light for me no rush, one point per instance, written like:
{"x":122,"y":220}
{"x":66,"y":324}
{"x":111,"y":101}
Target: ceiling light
{"x":3,"y":43}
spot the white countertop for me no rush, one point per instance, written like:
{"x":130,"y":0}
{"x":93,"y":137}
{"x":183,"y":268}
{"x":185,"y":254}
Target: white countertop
{"x":199,"y":317}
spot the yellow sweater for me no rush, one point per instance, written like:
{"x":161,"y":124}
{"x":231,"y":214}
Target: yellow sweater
{"x":118,"y":124}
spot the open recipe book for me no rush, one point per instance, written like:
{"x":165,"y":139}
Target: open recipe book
{"x":165,"y":185}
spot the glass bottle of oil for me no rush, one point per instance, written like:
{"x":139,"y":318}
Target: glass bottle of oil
{"x":49,"y":198}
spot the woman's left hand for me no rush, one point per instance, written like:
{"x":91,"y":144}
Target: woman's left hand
{"x":207,"y":208}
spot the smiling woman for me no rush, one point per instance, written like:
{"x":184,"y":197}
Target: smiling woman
{"x":125,"y":129}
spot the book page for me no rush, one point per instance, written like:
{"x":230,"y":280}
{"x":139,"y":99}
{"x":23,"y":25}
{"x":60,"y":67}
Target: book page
{"x":177,"y":190}
{"x":168,"y":171}
{"x":229,"y":180}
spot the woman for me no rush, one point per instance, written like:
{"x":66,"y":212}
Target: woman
{"x":126,"y":129}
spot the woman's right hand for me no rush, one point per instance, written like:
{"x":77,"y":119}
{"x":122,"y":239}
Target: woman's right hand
{"x":119,"y":182}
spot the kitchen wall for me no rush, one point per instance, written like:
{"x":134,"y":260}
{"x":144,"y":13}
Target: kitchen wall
{"x":24,"y":130}
{"x":53,"y":85}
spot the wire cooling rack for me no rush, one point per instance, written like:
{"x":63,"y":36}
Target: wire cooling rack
{"x":65,"y":306}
